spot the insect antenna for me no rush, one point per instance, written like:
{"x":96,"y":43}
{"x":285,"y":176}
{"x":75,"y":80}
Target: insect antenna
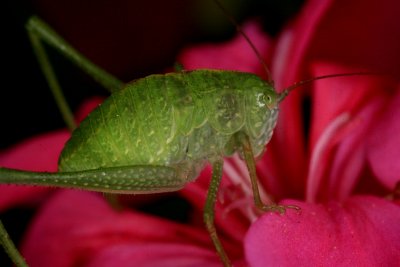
{"x":287,"y":90}
{"x":246,"y":37}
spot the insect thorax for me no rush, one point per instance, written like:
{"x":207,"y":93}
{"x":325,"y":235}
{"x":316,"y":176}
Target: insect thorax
{"x":173,"y":118}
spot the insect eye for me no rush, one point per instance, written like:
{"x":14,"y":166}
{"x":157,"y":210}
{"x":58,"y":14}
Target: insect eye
{"x":270,"y":101}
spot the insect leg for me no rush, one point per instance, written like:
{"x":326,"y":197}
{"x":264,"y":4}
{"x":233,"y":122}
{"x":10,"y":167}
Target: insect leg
{"x":125,"y":180}
{"x":39,"y":32}
{"x":209,"y":210}
{"x":131,"y":179}
{"x":251,"y":166}
{"x":10,"y":248}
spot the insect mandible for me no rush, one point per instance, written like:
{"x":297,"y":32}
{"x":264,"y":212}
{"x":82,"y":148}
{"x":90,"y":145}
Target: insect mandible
{"x":128,"y":145}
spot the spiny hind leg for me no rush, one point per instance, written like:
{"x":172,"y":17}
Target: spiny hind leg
{"x":139,"y":179}
{"x":129,"y":179}
{"x":251,"y":166}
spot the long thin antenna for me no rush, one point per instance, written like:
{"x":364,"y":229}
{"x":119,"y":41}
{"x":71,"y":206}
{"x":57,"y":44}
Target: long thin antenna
{"x":301,"y":83}
{"x":251,"y":44}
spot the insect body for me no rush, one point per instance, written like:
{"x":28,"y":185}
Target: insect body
{"x":156,"y":134}
{"x":180,"y":119}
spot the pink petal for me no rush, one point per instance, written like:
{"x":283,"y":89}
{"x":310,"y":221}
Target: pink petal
{"x":335,"y":96}
{"x":232,"y":55}
{"x":74,"y":226}
{"x":294,"y":41}
{"x":341,"y":158}
{"x":384,"y":144}
{"x":88,"y":106}
{"x":38,"y":153}
{"x":154,"y":255}
{"x":363,"y":231}
{"x":320,"y":159}
{"x":318,"y":34}
{"x":343,"y":34}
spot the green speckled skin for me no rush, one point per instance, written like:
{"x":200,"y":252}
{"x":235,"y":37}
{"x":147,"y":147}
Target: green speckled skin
{"x":177,"y":118}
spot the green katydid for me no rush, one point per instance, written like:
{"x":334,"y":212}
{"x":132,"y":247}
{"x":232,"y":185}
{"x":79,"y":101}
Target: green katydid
{"x":129,"y":146}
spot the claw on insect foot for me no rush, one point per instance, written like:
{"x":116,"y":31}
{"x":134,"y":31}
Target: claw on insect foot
{"x":281,"y":209}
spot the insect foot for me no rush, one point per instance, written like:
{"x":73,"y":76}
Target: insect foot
{"x":281,"y":209}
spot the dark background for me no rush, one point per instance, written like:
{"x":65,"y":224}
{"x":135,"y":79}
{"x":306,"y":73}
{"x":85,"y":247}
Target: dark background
{"x":130,"y":39}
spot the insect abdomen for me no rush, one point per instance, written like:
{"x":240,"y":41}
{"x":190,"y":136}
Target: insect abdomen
{"x":133,"y":126}
{"x":161,"y":120}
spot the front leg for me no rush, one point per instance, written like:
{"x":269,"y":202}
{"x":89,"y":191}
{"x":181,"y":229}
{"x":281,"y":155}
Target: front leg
{"x":251,"y":166}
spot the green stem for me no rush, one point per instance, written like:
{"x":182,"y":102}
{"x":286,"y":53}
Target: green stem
{"x":10,"y":248}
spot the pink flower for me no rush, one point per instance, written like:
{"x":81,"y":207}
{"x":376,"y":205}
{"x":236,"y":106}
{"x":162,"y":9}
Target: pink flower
{"x":345,"y":164}
{"x":80,"y":228}
{"x":349,"y":158}
{"x":339,"y":169}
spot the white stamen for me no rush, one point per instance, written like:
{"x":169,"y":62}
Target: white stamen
{"x":314,"y":175}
